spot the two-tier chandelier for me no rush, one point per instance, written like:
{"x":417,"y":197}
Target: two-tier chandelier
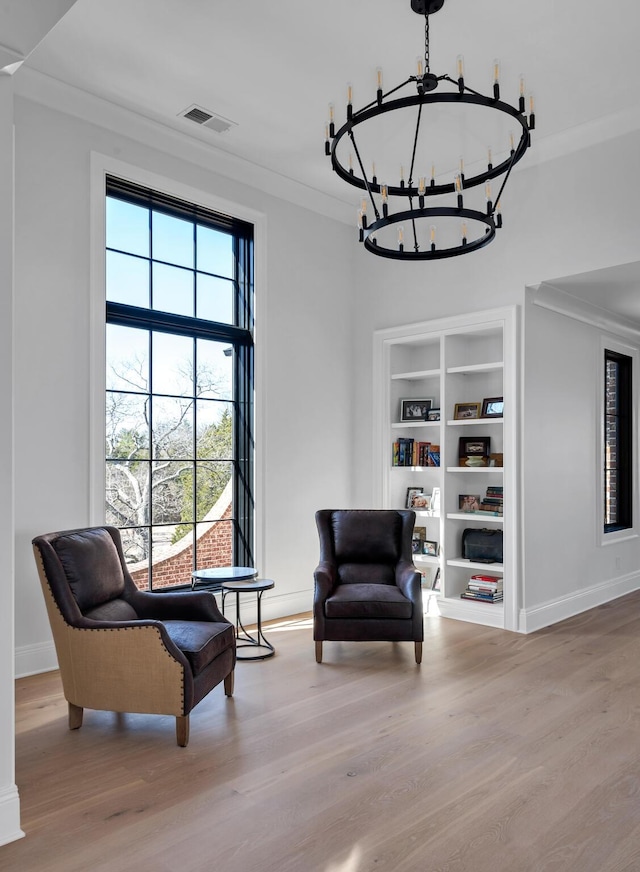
{"x":428,"y":213}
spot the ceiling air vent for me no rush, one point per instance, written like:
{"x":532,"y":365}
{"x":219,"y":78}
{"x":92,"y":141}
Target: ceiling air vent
{"x":207,"y":119}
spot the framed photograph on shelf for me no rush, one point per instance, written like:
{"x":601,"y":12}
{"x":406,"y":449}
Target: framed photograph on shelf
{"x":434,"y":504}
{"x":413,"y":494}
{"x":414,"y":410}
{"x":463,"y":411}
{"x":492,"y":407}
{"x":430,"y":548}
{"x":433,"y":415}
{"x":474,"y":446}
{"x":469,"y":502}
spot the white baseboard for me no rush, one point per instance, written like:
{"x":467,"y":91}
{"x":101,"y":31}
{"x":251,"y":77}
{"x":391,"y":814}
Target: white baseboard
{"x":545,"y":614}
{"x":33,"y":659}
{"x":10,"y":815}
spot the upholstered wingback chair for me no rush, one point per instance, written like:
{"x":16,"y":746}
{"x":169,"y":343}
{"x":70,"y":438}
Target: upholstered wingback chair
{"x":125,"y":650}
{"x":366,"y":586}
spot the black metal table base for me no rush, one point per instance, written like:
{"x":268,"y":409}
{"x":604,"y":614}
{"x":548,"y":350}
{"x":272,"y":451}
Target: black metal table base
{"x":244,"y":639}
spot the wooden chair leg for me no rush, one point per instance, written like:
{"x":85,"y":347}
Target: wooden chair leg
{"x":228,"y":684}
{"x":418,"y":652}
{"x":182,"y":730}
{"x":75,"y":716}
{"x":318,"y":652}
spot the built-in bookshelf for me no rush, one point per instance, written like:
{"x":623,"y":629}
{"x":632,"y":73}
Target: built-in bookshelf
{"x":451,"y":384}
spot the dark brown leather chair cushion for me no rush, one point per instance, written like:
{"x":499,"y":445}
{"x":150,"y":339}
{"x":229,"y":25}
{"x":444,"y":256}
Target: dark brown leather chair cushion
{"x":200,"y":641}
{"x":366,"y":573}
{"x":92,"y":566}
{"x":375,"y":541}
{"x":368,"y":601}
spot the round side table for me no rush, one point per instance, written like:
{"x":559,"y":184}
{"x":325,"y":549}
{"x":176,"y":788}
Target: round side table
{"x":257,"y":586}
{"x":218,"y":574}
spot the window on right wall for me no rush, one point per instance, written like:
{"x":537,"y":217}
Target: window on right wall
{"x":618,"y":441}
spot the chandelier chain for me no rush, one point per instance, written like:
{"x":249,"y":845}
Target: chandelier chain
{"x":426,"y":43}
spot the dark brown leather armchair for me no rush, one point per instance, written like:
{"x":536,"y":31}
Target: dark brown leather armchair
{"x":125,"y":650}
{"x":366,"y":586}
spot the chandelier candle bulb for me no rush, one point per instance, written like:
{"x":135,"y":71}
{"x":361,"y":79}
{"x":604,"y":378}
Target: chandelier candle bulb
{"x":461,"y":169}
{"x":487,"y":193}
{"x":460,"y":66}
{"x":349,"y":101}
{"x":374,"y":178}
{"x":419,"y":66}
{"x":385,"y":201}
{"x":532,"y":113}
{"x":327,"y":147}
{"x":458,"y":189}
{"x":521,"y":95}
{"x":402,"y":177}
{"x":379,"y":85}
{"x":496,"y":79}
{"x":498,"y":215}
{"x":432,"y":237}
{"x":332,"y":125}
{"x":350,"y":163}
{"x":512,"y":146}
{"x":463,"y":232}
{"x":401,"y":238}
{"x":433,"y":175}
{"x":489,"y":159}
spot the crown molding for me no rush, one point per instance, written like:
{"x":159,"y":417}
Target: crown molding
{"x":54,"y":94}
{"x":547,"y":296}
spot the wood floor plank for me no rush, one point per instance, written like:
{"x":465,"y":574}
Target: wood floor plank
{"x":500,"y":753}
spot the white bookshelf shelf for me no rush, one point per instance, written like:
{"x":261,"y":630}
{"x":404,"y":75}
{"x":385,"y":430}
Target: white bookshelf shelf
{"x":485,"y":517}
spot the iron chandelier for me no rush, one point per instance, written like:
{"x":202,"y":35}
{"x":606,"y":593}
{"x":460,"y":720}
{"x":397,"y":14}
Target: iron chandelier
{"x":427,"y":223}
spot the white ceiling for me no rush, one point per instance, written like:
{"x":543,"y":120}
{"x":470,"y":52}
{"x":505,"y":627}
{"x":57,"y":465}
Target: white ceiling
{"x":273,"y":67}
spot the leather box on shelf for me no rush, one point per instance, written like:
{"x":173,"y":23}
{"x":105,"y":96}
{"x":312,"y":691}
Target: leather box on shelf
{"x":482,"y":544}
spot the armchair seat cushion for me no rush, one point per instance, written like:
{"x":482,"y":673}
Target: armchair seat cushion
{"x":368,"y":601}
{"x":201,"y":641}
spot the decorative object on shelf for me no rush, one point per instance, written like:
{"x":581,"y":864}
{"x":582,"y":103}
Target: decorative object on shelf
{"x":439,"y":101}
{"x":430,"y":548}
{"x":481,"y":545}
{"x":492,"y":407}
{"x":434,"y":504}
{"x":469,"y":502}
{"x":415,"y":495}
{"x":462,"y":411}
{"x":496,"y":459}
{"x":433,"y":415}
{"x":414,"y":410}
{"x":474,"y":448}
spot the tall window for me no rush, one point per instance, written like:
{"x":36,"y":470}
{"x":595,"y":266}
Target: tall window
{"x":618,"y":430}
{"x":179,"y":405}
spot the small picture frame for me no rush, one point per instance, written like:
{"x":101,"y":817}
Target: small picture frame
{"x":469,"y":502}
{"x":492,"y":407}
{"x":414,"y":410}
{"x":429,"y":548}
{"x":434,"y":504}
{"x":464,"y":411}
{"x":474,"y":446}
{"x":413,"y":493}
{"x":420,"y":533}
{"x":433,"y":415}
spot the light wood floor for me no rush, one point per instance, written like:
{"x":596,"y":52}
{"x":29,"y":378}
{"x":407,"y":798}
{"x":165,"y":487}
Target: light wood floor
{"x":501,"y":753}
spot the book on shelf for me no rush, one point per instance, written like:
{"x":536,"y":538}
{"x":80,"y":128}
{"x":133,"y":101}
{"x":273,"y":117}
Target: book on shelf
{"x":484,"y":588}
{"x":411,"y":452}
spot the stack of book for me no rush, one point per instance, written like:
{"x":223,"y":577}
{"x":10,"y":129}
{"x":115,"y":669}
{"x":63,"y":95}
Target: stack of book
{"x":410,"y":452}
{"x":493,"y":501}
{"x":484,"y":588}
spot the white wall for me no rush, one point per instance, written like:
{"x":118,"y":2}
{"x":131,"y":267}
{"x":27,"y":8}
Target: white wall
{"x":567,"y":569}
{"x":563,"y":217}
{"x":304,"y":345}
{"x":9,"y":803}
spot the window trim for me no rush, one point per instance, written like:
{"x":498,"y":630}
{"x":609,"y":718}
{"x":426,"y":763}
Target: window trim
{"x":617,"y":534}
{"x":102,"y":166}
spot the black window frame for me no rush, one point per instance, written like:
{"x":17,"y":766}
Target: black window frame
{"x":239,"y":335}
{"x":618,"y":441}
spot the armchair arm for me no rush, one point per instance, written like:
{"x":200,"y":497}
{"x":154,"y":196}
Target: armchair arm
{"x":408,"y":579}
{"x":325,"y":580}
